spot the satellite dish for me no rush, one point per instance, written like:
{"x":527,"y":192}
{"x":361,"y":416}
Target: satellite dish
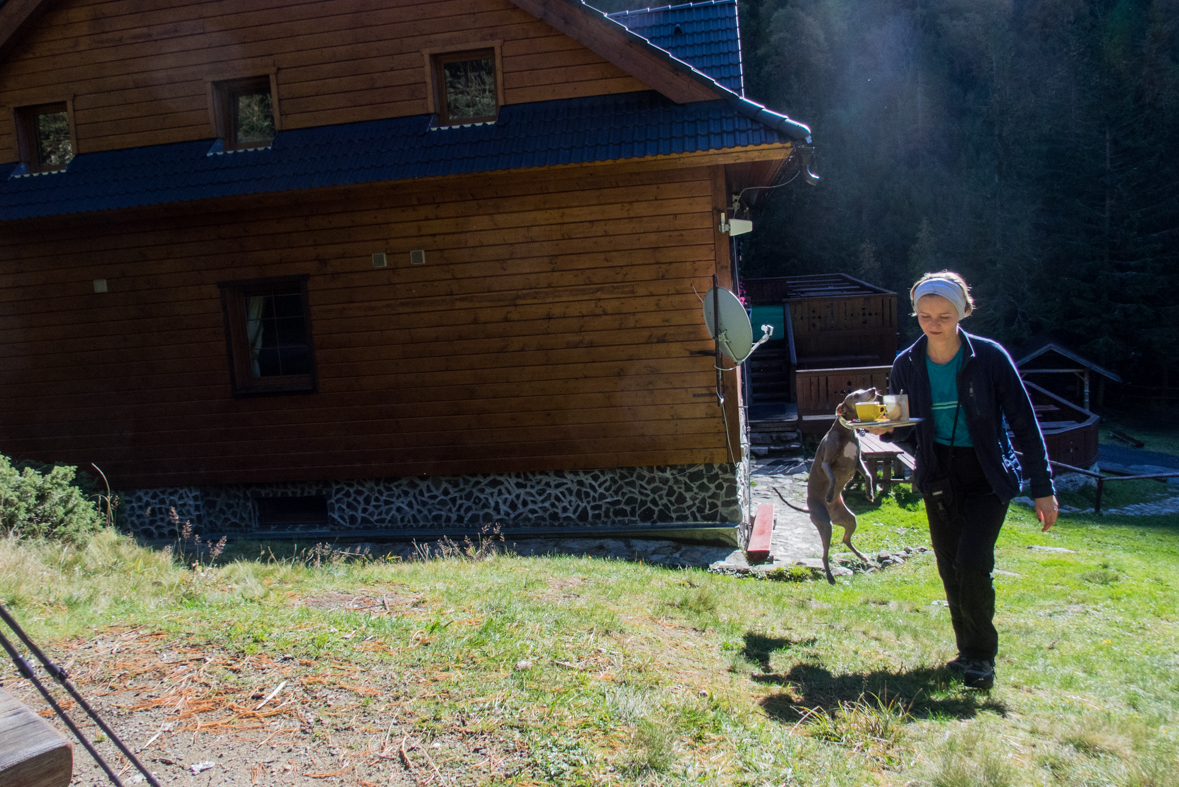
{"x":728,"y":324}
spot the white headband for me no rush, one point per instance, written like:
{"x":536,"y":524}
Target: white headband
{"x":949,"y":290}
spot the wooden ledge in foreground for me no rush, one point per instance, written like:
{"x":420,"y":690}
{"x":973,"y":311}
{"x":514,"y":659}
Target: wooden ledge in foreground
{"x":32,"y":752}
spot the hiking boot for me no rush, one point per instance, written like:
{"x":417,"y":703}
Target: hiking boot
{"x":957,"y":666}
{"x":979,"y":675}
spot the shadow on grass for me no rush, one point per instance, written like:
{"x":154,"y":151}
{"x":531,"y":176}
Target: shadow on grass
{"x":925,"y":693}
{"x":758,"y":648}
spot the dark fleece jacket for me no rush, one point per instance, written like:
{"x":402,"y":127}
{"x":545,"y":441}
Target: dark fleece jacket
{"x":989,"y":391}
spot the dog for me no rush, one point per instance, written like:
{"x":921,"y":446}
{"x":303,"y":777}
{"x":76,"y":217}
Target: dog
{"x":836,"y":461}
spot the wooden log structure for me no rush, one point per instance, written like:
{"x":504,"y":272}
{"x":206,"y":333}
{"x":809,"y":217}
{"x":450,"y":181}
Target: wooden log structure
{"x":820,"y":391}
{"x":32,"y":752}
{"x":531,"y":314}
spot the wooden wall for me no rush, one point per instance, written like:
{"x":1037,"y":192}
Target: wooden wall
{"x":138,"y":69}
{"x":858,"y":330}
{"x":820,"y":391}
{"x":551,"y":327}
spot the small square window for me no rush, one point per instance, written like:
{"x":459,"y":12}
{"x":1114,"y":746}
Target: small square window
{"x":465,"y":84}
{"x":244,"y":113}
{"x":44,"y":137}
{"x":268,"y":331}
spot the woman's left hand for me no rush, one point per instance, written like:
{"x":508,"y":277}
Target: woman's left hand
{"x":1046,"y":510}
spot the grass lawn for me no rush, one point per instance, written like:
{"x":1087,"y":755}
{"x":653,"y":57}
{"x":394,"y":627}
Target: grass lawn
{"x":491,"y":668}
{"x":1143,"y":426}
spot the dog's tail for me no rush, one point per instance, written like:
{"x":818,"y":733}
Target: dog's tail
{"x":787,"y":502}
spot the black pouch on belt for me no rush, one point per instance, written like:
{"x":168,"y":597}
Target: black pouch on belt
{"x":939,"y":492}
{"x":940,"y":495}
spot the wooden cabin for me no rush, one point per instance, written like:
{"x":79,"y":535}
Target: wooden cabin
{"x":1070,"y":431}
{"x":376,"y":268}
{"x":1065,"y":388}
{"x":833,"y":334}
{"x":1052,"y":364}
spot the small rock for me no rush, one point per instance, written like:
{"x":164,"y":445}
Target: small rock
{"x":841,"y":571}
{"x":882,"y":556}
{"x":939,"y":603}
{"x":899,"y":557}
{"x":1062,"y":550}
{"x":523,"y":664}
{"x":201,"y":767}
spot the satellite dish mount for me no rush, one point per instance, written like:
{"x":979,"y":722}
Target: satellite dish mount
{"x":728,"y":325}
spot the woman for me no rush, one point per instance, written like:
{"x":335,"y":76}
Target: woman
{"x":964,"y":387}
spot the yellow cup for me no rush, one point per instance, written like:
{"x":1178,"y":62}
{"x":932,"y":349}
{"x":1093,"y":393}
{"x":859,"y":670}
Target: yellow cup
{"x":871,"y":411}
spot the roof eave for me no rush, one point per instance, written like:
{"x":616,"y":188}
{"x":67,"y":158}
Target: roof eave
{"x":656,"y":67}
{"x":1072,"y":356}
{"x":15,"y":18}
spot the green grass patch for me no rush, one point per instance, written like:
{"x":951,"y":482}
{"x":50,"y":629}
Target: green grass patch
{"x":1141,"y":426}
{"x":573,"y":671}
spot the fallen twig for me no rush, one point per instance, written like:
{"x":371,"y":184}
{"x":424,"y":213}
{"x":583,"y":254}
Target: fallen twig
{"x":271,"y":695}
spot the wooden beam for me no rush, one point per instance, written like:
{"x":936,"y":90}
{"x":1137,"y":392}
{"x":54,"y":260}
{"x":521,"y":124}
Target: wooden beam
{"x":32,"y":752}
{"x":15,"y":18}
{"x":758,"y":550}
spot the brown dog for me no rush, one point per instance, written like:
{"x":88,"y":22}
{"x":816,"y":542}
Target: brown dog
{"x":836,"y":461}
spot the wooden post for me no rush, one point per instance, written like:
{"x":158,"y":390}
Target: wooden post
{"x":32,"y":752}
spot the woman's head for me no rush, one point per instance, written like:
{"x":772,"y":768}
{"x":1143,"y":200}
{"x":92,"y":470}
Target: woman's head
{"x":947,"y":285}
{"x":940,"y":300}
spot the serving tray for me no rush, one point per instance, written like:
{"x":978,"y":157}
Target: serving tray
{"x":878,"y":424}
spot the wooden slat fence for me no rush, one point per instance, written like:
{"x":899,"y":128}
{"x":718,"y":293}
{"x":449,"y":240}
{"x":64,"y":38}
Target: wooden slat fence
{"x":820,"y":391}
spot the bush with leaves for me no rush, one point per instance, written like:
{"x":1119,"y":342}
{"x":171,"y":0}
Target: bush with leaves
{"x":46,"y":504}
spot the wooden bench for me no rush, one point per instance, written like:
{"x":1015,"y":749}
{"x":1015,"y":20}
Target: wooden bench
{"x":885,"y":459}
{"x":32,"y":752}
{"x":758,"y":550}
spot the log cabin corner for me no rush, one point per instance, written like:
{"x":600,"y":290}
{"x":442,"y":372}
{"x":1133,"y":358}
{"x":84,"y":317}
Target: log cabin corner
{"x":390,"y":268}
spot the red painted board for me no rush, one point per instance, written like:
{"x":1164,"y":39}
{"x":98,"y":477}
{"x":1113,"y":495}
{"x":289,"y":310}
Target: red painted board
{"x":758,"y":550}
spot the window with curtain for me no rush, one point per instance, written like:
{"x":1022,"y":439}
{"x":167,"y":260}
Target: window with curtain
{"x":269,"y":334}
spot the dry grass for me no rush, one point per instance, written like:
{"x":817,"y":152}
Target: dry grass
{"x":469,"y":665}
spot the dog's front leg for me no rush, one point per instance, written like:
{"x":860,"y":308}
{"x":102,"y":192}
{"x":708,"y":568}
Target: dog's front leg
{"x":831,"y":490}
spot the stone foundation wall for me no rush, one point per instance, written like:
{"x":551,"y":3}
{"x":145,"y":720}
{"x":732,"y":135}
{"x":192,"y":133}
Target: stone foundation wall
{"x":621,"y":497}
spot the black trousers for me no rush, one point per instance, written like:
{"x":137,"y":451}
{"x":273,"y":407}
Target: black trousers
{"x":964,"y":535}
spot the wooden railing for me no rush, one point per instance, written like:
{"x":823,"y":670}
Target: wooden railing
{"x":1070,"y":432}
{"x":820,"y":391}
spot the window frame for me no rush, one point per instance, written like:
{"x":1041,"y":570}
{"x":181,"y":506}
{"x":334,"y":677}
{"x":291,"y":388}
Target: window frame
{"x":233,"y":306}
{"x":223,"y":108}
{"x":436,"y":84}
{"x":27,"y":142}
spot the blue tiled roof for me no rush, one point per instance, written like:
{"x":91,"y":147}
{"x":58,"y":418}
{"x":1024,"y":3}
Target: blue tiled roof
{"x":572,"y":131}
{"x":704,"y":35}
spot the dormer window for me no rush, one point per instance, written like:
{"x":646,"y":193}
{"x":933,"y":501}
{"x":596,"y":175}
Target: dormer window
{"x":245,"y":113}
{"x":466,"y":87}
{"x":43,"y":133}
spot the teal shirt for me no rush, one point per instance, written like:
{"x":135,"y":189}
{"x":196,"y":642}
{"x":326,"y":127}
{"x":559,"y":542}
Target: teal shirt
{"x":943,"y":389}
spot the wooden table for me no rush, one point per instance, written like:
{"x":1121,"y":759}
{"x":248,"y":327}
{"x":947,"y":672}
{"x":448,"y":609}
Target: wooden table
{"x":888,"y":457}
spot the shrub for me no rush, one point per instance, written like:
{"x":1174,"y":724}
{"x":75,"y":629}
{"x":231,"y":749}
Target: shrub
{"x":45,"y":505}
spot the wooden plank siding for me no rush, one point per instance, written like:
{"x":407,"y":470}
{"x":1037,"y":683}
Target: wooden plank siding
{"x":138,"y":69}
{"x":552,"y":327}
{"x":820,"y":391}
{"x":830,"y":330}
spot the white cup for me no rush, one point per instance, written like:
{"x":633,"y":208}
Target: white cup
{"x":897,"y":406}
